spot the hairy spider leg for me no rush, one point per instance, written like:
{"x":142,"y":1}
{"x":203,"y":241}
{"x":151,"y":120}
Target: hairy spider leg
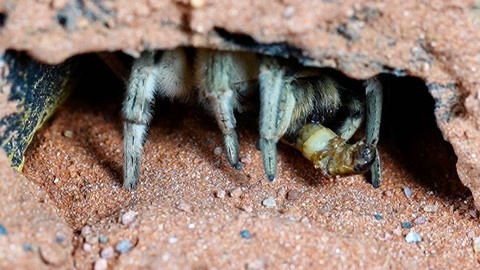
{"x":277,"y":103}
{"x":354,"y":119}
{"x":153,"y":73}
{"x":218,"y":74}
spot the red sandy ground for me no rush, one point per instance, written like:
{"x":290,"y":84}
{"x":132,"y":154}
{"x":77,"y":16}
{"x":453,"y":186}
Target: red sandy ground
{"x":182,"y":222}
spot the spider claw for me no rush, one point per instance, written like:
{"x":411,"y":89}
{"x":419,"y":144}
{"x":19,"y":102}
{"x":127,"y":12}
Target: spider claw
{"x":268,"y":148}
{"x":376,"y":171}
{"x":231,"y":147}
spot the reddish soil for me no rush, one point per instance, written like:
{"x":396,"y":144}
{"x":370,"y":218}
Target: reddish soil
{"x":192,"y":207}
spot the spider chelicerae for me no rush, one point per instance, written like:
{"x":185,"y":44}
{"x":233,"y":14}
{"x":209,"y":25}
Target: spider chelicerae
{"x":302,"y":106}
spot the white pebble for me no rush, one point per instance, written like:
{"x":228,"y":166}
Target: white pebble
{"x":68,"y":134}
{"x":220,"y":194}
{"x":288,"y":12}
{"x":217,"y":151}
{"x":430,"y":208}
{"x":305,"y":220}
{"x":197,"y":3}
{"x":236,"y":193}
{"x":413,"y":237}
{"x":246,"y":208}
{"x":172,"y":240}
{"x":246,"y":160}
{"x":269,"y":202}
{"x":420,"y":220}
{"x":107,"y":252}
{"x":397,"y":231}
{"x":476,"y":245}
{"x":408,"y":192}
{"x":100,"y":264}
{"x":86,"y":230}
{"x":87,"y":247}
{"x":128,"y":217}
{"x":257,"y":264}
{"x":185,"y":207}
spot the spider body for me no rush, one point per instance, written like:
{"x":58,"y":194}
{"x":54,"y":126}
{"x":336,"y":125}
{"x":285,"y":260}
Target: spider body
{"x":296,"y":104}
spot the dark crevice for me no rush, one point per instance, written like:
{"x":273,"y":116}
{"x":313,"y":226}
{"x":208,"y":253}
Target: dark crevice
{"x":411,"y":135}
{"x":246,"y":42}
{"x":3,"y":19}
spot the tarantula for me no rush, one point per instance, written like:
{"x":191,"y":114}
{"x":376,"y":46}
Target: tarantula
{"x":296,"y":103}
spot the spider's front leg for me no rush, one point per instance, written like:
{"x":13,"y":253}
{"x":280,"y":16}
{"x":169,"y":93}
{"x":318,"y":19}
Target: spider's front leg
{"x":218,"y":74}
{"x":277,"y":103}
{"x":160,"y":72}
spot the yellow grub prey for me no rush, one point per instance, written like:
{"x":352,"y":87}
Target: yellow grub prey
{"x":330,"y":153}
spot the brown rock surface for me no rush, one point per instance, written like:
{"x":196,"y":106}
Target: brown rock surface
{"x":36,"y":236}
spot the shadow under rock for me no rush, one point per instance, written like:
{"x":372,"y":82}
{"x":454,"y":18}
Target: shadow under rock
{"x":411,"y":135}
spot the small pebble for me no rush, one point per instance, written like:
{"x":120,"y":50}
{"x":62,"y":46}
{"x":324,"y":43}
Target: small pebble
{"x":217,"y":151}
{"x":236,"y":193}
{"x":87,"y":247}
{"x":387,"y":236}
{"x":107,"y":252}
{"x":3,"y":230}
{"x":413,"y":237}
{"x":185,"y":207}
{"x":288,"y":12}
{"x":59,"y":239}
{"x":246,"y":160}
{"x":246,"y":208}
{"x":305,"y":220}
{"x":68,"y":134}
{"x":388,"y":193}
{"x":406,"y":225}
{"x":245,"y":234}
{"x":257,"y":265}
{"x":123,"y":246}
{"x":128,"y":217}
{"x":269,"y":202}
{"x":397,"y":231}
{"x":473,"y":213}
{"x":197,"y":3}
{"x":27,"y":247}
{"x":471,"y":234}
{"x":476,"y":245}
{"x":53,"y":255}
{"x":172,"y":240}
{"x":102,"y":239}
{"x":220,"y":194}
{"x":86,"y":230}
{"x":100,"y":264}
{"x":378,"y":216}
{"x":91,"y":239}
{"x":408,"y":192}
{"x":293,"y":195}
{"x":430,"y":208}
{"x":420,"y":220}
